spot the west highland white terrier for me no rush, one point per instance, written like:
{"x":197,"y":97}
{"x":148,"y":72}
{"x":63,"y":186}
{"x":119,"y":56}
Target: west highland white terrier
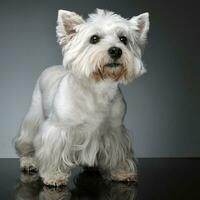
{"x":77,"y":110}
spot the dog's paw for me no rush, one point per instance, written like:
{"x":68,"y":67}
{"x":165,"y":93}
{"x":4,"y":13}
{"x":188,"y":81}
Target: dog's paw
{"x":28,"y":164}
{"x":124,"y":176}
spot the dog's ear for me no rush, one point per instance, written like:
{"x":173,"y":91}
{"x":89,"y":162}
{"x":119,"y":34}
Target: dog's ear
{"x":141,"y":24}
{"x":66,"y":25}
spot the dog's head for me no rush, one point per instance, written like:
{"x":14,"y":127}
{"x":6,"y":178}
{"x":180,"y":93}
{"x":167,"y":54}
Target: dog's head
{"x":104,"y":46}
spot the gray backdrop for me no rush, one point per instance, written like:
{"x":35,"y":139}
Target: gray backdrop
{"x":163,"y":105}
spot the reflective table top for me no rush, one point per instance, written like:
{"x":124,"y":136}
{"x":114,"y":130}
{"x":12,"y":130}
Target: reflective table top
{"x":159,"y":178}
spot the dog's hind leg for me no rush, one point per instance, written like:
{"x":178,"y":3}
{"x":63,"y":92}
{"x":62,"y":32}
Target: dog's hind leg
{"x":29,"y":128}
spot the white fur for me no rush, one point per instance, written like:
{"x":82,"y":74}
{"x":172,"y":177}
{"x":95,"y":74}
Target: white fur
{"x":28,"y":163}
{"x":74,"y":119}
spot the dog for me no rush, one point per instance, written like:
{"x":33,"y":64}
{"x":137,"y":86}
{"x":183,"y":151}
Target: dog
{"x":77,"y":109}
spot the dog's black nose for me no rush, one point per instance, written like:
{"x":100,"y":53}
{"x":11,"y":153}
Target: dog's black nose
{"x":115,"y":52}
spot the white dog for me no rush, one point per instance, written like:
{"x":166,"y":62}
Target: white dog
{"x":77,"y":110}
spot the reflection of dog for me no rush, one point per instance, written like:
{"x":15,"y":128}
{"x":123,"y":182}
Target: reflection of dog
{"x":90,"y":185}
{"x":76,"y":115}
{"x":29,"y":187}
{"x":86,"y":187}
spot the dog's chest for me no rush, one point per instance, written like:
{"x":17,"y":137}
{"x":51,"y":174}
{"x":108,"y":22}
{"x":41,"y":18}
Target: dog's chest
{"x":96,"y":104}
{"x":79,"y":104}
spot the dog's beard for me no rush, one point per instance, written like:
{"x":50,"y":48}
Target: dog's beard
{"x":113,"y":71}
{"x":107,"y":68}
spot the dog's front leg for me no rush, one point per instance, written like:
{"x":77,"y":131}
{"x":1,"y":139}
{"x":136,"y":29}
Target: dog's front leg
{"x":116,"y":159}
{"x":50,"y":145}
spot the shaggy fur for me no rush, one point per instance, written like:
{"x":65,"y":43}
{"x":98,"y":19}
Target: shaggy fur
{"x":77,"y":110}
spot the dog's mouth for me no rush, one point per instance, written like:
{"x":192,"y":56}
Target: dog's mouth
{"x":113,"y":64}
{"x":112,"y":70}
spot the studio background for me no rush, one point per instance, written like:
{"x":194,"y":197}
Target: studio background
{"x":163,"y":105}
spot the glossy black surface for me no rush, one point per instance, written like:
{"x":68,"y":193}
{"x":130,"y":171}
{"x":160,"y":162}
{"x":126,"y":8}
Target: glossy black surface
{"x":158,"y":179}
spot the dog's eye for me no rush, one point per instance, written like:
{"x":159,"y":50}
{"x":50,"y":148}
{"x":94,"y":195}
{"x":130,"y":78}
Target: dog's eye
{"x":123,"y":39}
{"x":94,"y":39}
